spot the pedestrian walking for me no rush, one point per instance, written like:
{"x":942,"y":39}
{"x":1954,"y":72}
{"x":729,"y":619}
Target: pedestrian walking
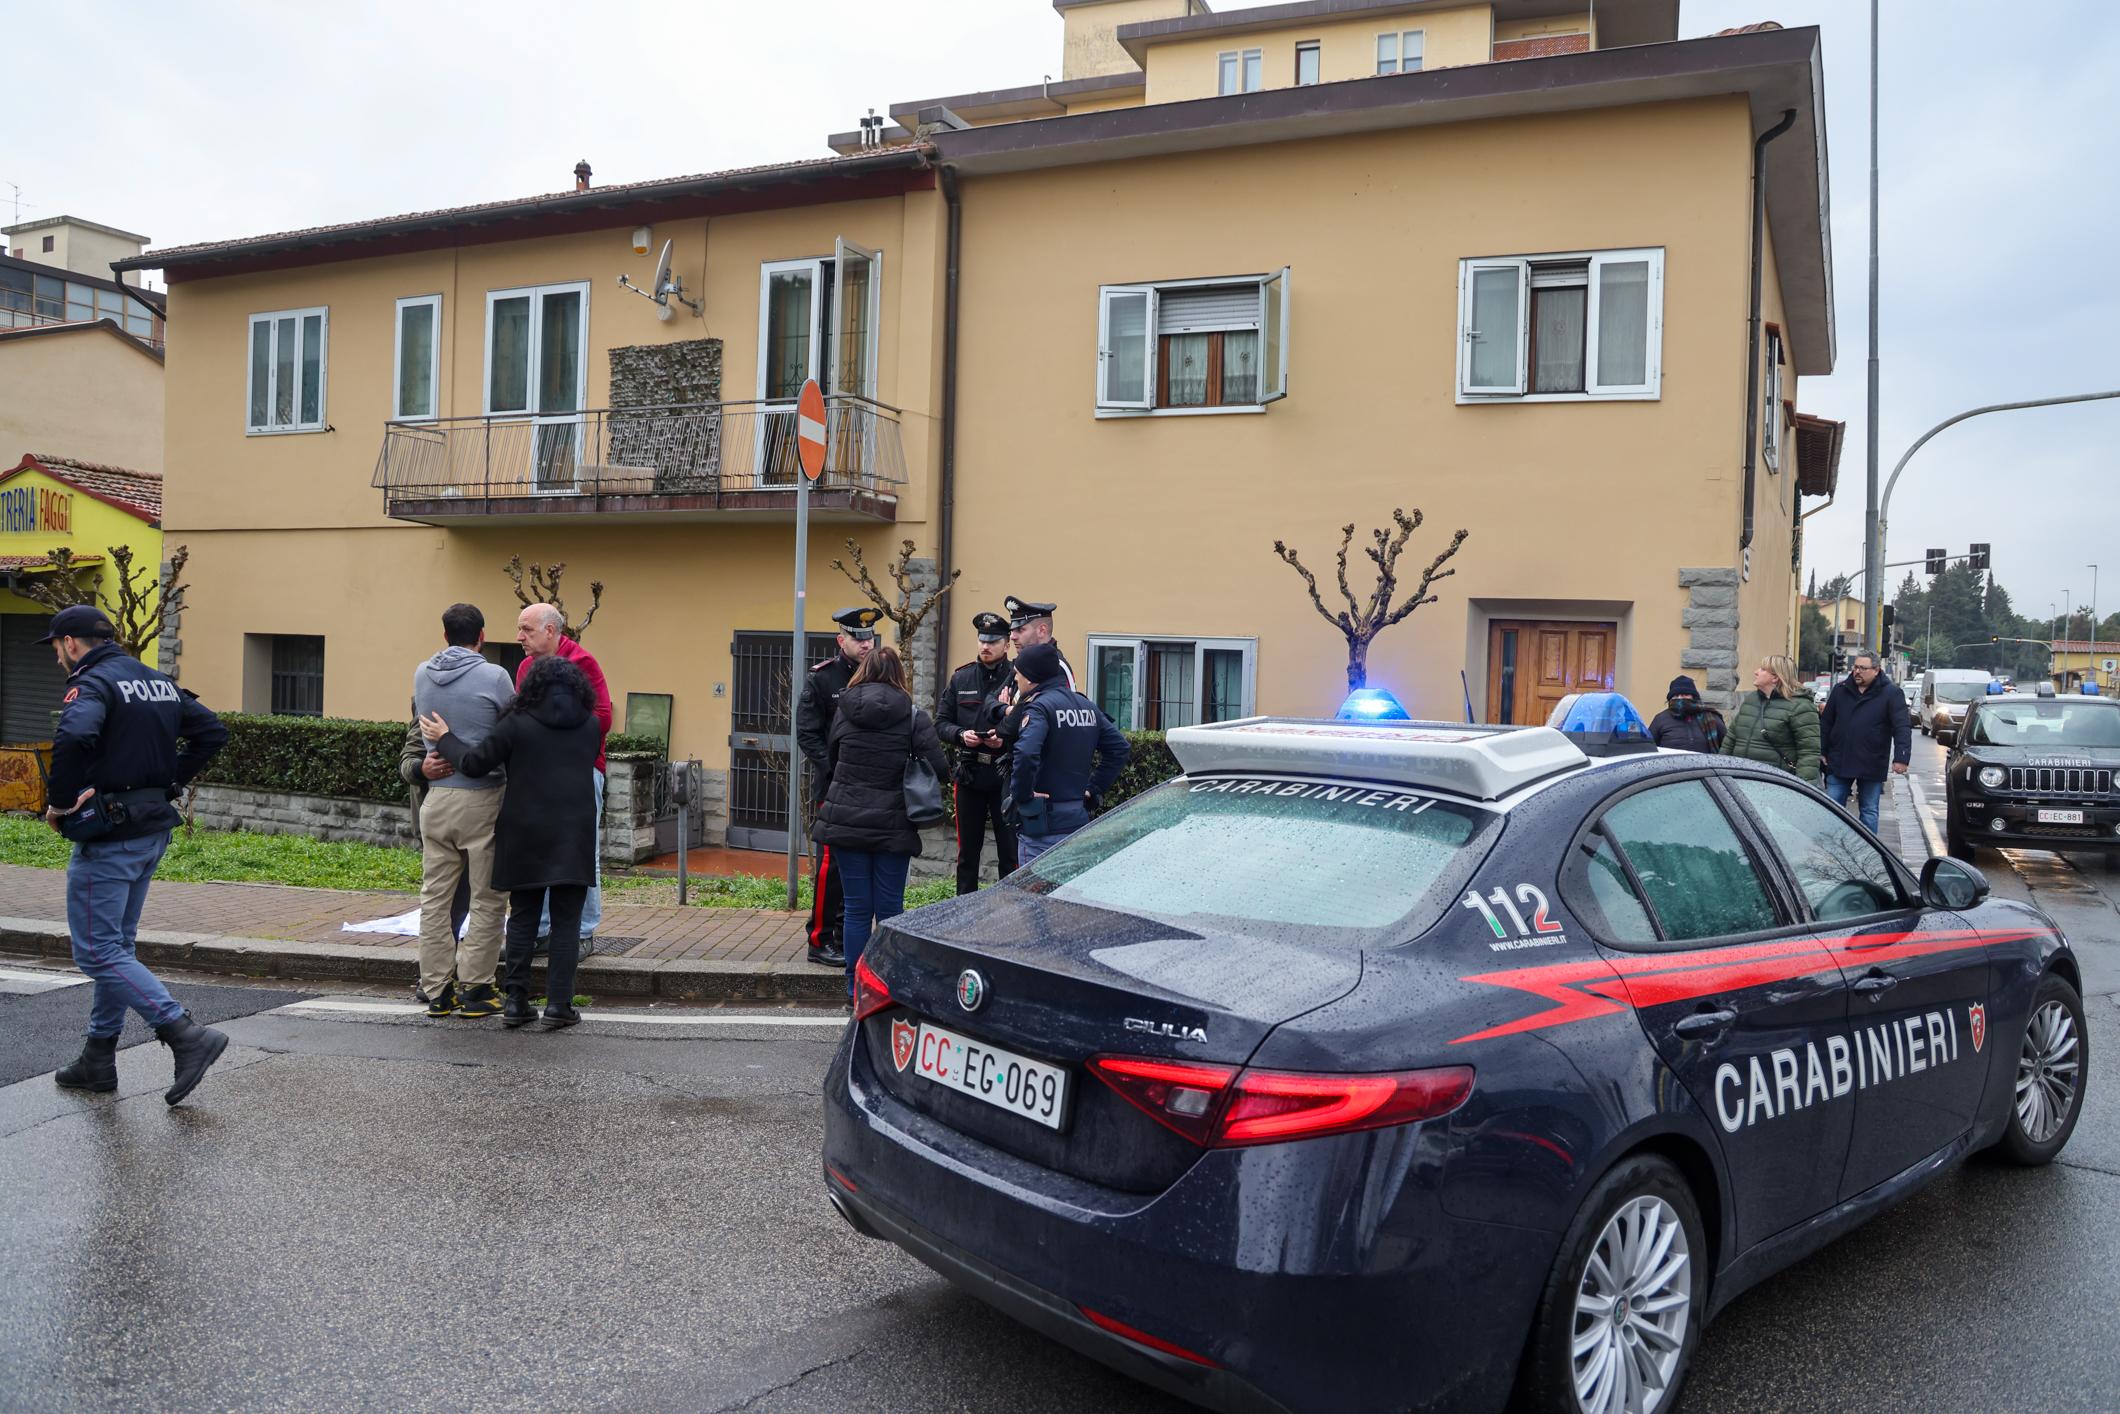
{"x":544,"y":841}
{"x":1864,"y":735}
{"x":1776,"y":722}
{"x":1052,"y":786}
{"x":541,"y":630}
{"x":1686,"y":723}
{"x":116,"y":766}
{"x":862,"y":817}
{"x":457,"y":820}
{"x":414,"y":762}
{"x":815,"y":713}
{"x":968,"y":723}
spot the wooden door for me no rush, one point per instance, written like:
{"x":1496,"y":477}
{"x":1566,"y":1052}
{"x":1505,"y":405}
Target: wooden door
{"x":1533,"y":664}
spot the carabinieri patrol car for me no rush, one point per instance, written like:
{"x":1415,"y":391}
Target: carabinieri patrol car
{"x":1389,"y":1064}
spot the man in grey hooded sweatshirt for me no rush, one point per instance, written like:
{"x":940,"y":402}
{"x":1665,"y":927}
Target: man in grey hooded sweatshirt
{"x":457,"y":820}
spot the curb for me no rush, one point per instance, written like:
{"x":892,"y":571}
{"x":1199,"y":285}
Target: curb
{"x":678,"y":979}
{"x":1919,"y":804}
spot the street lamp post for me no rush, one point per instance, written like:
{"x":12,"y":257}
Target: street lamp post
{"x":2092,"y":667}
{"x":1873,"y":595}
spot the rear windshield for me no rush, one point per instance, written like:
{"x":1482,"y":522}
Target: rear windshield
{"x":2047,"y":722}
{"x":1304,"y":861}
{"x":1960,"y":691}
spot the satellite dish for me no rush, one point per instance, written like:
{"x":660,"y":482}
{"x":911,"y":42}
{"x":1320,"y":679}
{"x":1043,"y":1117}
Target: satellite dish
{"x":663,"y":287}
{"x":661,"y":283}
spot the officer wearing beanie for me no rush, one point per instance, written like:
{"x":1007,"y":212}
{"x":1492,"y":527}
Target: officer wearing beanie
{"x":965,"y":724}
{"x":1052,"y":786}
{"x":115,"y":768}
{"x":815,"y":713}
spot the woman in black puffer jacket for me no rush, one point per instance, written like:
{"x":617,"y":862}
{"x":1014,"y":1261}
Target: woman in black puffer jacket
{"x":863,"y":814}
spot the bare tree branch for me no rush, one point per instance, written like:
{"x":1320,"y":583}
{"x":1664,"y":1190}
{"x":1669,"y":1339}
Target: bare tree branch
{"x":539,"y":585}
{"x":900,"y":607}
{"x":1363,"y":622}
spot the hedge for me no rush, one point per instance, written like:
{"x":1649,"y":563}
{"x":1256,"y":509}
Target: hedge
{"x":337,"y":756}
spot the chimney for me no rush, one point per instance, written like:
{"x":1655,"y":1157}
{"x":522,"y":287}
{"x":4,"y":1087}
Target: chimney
{"x":581,"y":175}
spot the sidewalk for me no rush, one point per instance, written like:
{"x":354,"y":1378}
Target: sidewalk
{"x":269,"y":930}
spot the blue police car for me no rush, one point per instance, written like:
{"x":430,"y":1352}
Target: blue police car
{"x":1380,"y":1064}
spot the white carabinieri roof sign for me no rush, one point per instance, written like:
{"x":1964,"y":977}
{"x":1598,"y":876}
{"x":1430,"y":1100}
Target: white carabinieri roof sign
{"x":1484,"y":763}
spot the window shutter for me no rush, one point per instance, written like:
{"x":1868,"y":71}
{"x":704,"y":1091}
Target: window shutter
{"x":1203,"y":309}
{"x":1273,"y":340}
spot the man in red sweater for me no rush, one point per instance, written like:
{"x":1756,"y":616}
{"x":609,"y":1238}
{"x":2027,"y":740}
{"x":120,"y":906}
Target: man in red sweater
{"x":540,"y":629}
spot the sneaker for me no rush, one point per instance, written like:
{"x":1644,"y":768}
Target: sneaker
{"x":479,"y":1000}
{"x":445,"y":1004}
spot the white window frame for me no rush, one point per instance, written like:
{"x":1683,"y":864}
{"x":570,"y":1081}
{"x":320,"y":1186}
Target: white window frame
{"x":397,"y":359}
{"x":1398,"y":40}
{"x":534,"y":351}
{"x":1771,"y":438}
{"x":1650,"y":390}
{"x":1139,"y":642}
{"x":272,"y":371}
{"x":1272,"y":302}
{"x":1241,"y":65}
{"x":1316,"y":49}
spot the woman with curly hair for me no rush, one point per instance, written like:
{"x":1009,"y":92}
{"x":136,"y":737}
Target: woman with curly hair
{"x":545,"y":841}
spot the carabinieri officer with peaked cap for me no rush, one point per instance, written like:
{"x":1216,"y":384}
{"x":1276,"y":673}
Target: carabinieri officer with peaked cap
{"x":815,"y":713}
{"x":116,"y":766}
{"x":968,"y":720}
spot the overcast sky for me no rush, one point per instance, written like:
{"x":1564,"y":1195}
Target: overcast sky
{"x":229,"y":119}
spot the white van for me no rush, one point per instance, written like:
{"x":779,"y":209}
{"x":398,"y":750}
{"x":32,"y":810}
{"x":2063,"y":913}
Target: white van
{"x":1944,"y":695}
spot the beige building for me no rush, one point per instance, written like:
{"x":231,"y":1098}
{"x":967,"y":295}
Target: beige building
{"x":1100,"y":341}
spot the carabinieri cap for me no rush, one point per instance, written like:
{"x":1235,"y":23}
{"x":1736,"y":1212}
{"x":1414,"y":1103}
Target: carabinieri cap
{"x":990,"y":626}
{"x":1023,"y":611}
{"x":858,"y":623}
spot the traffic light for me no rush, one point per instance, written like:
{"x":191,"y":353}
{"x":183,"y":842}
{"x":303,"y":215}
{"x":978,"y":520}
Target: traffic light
{"x":1889,"y":615}
{"x":1936,"y":559}
{"x":1980,"y":557}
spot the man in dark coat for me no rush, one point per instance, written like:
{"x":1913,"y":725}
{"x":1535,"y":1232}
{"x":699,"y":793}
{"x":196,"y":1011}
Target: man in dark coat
{"x":1863,"y":733}
{"x":115,"y":768}
{"x":815,"y":712}
{"x":1052,"y":785}
{"x":967,"y":727}
{"x":1686,"y":724}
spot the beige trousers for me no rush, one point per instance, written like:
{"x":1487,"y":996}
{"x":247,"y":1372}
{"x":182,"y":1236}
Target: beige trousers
{"x":456,"y":829}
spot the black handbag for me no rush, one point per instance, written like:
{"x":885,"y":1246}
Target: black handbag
{"x":923,"y":793}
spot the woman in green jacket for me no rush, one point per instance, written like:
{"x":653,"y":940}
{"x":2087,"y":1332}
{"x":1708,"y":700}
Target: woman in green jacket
{"x":1777,"y":722}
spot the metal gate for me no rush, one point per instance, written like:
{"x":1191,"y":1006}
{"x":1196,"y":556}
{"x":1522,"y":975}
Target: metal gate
{"x":759,"y":746}
{"x":31,"y":681}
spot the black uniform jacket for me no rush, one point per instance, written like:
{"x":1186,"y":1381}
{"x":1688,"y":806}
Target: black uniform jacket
{"x":968,"y":706}
{"x":815,"y":712}
{"x":119,"y":729}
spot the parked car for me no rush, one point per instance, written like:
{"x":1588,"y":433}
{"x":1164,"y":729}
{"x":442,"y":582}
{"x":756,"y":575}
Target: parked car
{"x":1358,"y":1067}
{"x":1945,"y":694}
{"x":2038,"y":771}
{"x":1912,"y":689}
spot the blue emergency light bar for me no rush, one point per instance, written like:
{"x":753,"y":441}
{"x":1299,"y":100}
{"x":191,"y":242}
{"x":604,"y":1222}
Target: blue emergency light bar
{"x":1373,"y":704}
{"x":1602,"y":724}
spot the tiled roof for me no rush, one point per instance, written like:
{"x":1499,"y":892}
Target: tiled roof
{"x":139,"y":491}
{"x":1759,"y":28}
{"x":564,"y":200}
{"x":34,"y":562}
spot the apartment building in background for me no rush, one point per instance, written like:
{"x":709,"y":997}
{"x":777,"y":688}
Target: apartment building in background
{"x":1233,"y":278}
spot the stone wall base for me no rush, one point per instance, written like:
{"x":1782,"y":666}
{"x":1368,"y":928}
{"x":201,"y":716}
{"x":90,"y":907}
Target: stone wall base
{"x":1710,"y":616}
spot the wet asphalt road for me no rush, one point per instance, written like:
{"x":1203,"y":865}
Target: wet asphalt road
{"x":363,"y":1212}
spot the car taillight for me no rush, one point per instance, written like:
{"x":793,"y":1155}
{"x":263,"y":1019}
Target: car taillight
{"x":1141,"y":1337}
{"x":870,"y":995}
{"x":1221,"y":1107}
{"x":1179,"y":1095}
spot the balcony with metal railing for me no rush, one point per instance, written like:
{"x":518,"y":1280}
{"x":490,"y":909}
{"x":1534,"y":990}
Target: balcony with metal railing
{"x":694,"y":461}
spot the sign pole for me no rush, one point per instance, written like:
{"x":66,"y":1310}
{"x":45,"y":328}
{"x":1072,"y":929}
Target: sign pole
{"x":795,"y":677}
{"x":809,"y":455}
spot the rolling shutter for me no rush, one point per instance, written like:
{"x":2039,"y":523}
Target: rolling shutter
{"x":1188,"y":310}
{"x":31,"y":682}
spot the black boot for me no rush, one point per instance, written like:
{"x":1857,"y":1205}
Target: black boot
{"x":194,"y":1048}
{"x":97,"y":1068}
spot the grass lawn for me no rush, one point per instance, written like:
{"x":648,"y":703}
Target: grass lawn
{"x":214,"y":856}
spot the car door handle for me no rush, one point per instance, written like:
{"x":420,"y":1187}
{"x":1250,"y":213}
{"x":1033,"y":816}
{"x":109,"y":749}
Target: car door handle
{"x":1876,"y":984}
{"x":1702,"y":1024}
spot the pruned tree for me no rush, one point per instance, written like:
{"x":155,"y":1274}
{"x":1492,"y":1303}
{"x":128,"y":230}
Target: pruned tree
{"x":539,"y":585}
{"x":1363,"y":619}
{"x":144,"y":601}
{"x":899,"y":608}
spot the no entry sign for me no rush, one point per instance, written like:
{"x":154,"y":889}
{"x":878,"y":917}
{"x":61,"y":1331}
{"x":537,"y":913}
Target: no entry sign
{"x":809,"y":429}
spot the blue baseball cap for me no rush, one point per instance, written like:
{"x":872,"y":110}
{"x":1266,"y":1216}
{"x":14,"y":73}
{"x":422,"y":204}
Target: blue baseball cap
{"x":79,"y":621}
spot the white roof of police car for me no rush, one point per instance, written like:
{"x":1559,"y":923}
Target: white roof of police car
{"x":1482,"y":762}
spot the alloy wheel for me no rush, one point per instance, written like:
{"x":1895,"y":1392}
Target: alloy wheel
{"x":1631,"y":1309}
{"x":2048,"y":1068}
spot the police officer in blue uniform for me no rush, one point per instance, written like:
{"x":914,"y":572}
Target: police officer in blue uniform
{"x":1052,"y":786}
{"x":815,"y":711}
{"x":116,"y":766}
